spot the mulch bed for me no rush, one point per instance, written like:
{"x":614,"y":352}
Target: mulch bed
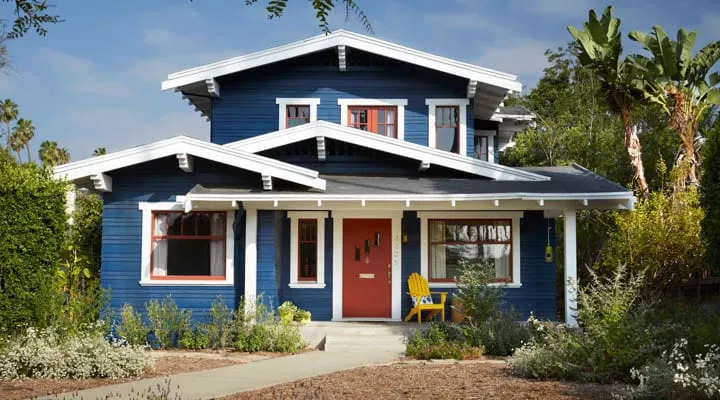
{"x":429,"y":380}
{"x":168,"y":364}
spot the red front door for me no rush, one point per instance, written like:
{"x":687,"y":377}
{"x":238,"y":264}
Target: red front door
{"x":367,"y":268}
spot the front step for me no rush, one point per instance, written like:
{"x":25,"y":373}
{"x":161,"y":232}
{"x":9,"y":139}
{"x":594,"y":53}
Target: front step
{"x":365,"y":343}
{"x":358,"y":337}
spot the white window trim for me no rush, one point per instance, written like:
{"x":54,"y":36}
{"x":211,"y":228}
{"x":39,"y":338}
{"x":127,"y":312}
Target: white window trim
{"x":490,"y":144}
{"x":462,"y":130}
{"x":147,"y":209}
{"x":399,"y":103}
{"x":283,"y":102}
{"x":295,"y":216}
{"x":424,"y":250}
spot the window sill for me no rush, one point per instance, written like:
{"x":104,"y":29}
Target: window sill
{"x":308,"y":285}
{"x":168,"y":282}
{"x":453,"y":285}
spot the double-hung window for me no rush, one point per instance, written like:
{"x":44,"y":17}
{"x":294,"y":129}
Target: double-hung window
{"x":447,"y":126}
{"x":296,"y":111}
{"x":188,"y":245}
{"x":297,"y":115}
{"x":307,"y":249}
{"x":380,"y":120}
{"x":454,"y":242}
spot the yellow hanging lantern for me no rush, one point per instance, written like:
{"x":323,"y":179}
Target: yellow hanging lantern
{"x":548,"y":248}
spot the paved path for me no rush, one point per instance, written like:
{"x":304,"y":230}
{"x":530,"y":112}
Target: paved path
{"x":221,"y":382}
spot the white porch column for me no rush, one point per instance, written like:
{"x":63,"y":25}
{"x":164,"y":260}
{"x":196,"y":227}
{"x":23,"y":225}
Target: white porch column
{"x":570,"y":276}
{"x":250,"y":259}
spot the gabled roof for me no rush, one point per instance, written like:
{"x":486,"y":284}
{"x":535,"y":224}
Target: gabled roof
{"x":349,"y":39}
{"x":422,"y":154}
{"x":183,"y":146}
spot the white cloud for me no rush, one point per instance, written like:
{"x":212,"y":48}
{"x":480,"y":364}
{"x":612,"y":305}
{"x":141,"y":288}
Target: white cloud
{"x":461,"y":20}
{"x":63,"y":62}
{"x":524,"y":57}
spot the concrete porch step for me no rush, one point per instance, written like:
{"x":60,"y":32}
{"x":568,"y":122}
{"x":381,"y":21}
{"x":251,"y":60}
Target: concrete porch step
{"x":362,"y":343}
{"x":358,"y":337}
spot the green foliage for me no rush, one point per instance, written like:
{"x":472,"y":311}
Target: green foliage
{"x":500,"y":335}
{"x":167,"y":321}
{"x":195,"y":339}
{"x":710,"y":197}
{"x":478,"y":300}
{"x":276,"y":8}
{"x":219,"y":325}
{"x":662,"y":237}
{"x":441,"y":341}
{"x":31,"y":15}
{"x":48,"y":354}
{"x":130,"y":326}
{"x":32,"y":227}
{"x":263,"y":331}
{"x":86,"y":230}
{"x":289,"y":313}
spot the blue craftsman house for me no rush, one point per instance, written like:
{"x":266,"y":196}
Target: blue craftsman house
{"x":336,"y":167}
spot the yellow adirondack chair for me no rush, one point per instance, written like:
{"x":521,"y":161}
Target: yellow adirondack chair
{"x":419,"y":290}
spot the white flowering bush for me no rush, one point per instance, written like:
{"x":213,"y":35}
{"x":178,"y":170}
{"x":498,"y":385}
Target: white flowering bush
{"x":48,"y":354}
{"x":677,"y":374}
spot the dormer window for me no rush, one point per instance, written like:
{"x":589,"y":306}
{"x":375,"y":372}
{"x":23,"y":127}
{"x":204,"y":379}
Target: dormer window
{"x":380,"y":120}
{"x":296,"y":111}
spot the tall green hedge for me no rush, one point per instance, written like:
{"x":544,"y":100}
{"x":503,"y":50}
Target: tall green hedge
{"x":33,"y":226}
{"x":710,"y":197}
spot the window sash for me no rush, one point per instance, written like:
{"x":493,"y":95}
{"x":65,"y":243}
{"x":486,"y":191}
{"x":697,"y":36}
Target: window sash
{"x":308,"y":241}
{"x":504,"y":245}
{"x":448,"y":117}
{"x":294,"y":116}
{"x":386,"y":126}
{"x":159,"y":242}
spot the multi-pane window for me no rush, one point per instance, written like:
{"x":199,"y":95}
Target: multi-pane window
{"x":380,"y":120}
{"x":297,"y":115}
{"x":453,"y":243}
{"x":481,"y":148}
{"x":307,"y":249}
{"x":447,"y":128}
{"x":188,"y":245}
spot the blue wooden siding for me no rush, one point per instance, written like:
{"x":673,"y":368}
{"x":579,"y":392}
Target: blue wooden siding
{"x":267,"y":271}
{"x":160,"y":180}
{"x":247,"y":105}
{"x":410,"y":255}
{"x":317,"y":301}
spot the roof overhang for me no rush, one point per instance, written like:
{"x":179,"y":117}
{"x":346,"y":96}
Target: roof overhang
{"x":488,"y":87}
{"x":184,"y":148}
{"x":424,"y":155}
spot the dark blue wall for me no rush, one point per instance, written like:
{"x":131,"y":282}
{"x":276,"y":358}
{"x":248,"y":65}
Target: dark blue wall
{"x":160,"y":180}
{"x":247,"y":107}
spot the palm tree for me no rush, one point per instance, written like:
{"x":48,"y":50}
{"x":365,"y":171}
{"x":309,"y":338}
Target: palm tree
{"x":100,"y":151}
{"x":600,"y":45}
{"x":52,"y":155}
{"x":682,"y":86}
{"x":8,"y":114}
{"x":25,"y":131}
{"x":15,"y":143}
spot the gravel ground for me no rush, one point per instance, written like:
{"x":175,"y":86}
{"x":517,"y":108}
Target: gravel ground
{"x":166,"y":363}
{"x":429,"y":380}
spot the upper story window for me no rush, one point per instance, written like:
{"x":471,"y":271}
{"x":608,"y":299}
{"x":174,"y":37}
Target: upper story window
{"x":188,"y":245}
{"x":447,"y":127}
{"x":380,"y":120}
{"x":297,"y":115}
{"x":484,"y":146}
{"x":296,"y":111}
{"x":382,"y":116}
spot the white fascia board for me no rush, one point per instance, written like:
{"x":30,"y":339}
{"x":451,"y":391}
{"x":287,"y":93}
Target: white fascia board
{"x":183,"y":144}
{"x":348,"y":39}
{"x":382,"y":143}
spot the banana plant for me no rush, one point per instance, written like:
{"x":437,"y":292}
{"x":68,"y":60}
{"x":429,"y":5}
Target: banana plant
{"x":600,"y":49}
{"x":683,"y":85}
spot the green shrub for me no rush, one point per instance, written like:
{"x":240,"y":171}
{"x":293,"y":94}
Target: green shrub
{"x":559,"y":356}
{"x":219,"y":324}
{"x":130,"y":326}
{"x":478,"y":300}
{"x":679,"y":374}
{"x":270,"y":337}
{"x":195,"y":339}
{"x":33,"y":225}
{"x":167,"y":321}
{"x":48,"y":354}
{"x":500,"y":335}
{"x":710,"y":197}
{"x":441,"y":341}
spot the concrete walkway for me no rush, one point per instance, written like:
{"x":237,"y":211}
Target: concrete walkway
{"x":225,"y":381}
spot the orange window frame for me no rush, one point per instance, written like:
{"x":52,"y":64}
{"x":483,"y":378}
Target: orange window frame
{"x":479,"y":242}
{"x":154,"y":237}
{"x":296,"y":106}
{"x":372,"y":118}
{"x":300,"y":243}
{"x":456,"y":126}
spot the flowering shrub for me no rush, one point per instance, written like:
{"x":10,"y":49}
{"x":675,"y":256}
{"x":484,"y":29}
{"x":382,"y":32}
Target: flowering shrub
{"x":47,"y":354}
{"x":677,"y":374}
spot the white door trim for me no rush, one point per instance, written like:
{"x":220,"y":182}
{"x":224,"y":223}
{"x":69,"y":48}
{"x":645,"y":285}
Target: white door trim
{"x":396,"y":234}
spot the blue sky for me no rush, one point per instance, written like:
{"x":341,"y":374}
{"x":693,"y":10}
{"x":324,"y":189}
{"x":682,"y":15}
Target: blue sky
{"x":95,"y":79}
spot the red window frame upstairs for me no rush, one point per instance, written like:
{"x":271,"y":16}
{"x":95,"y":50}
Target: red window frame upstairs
{"x":182,"y":236}
{"x":372,"y":123}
